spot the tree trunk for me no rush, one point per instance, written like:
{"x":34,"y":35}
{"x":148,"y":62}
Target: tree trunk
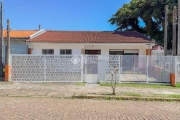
{"x":114,"y":91}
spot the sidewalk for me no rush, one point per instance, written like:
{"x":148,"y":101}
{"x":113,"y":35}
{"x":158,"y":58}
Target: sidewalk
{"x":72,"y":89}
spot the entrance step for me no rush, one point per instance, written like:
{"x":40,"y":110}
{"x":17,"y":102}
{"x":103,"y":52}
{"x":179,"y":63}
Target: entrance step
{"x":91,"y":78}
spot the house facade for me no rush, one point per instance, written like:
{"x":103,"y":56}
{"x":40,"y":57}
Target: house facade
{"x":48,"y":51}
{"x":90,"y":42}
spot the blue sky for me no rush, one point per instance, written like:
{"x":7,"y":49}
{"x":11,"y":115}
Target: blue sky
{"x":61,"y":14}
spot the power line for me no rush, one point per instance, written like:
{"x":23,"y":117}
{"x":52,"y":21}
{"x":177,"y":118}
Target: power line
{"x":17,"y":30}
{"x":19,"y":5}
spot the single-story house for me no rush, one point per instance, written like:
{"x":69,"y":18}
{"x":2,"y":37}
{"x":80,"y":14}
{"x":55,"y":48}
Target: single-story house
{"x":90,"y":42}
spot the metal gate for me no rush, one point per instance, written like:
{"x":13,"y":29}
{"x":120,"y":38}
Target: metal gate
{"x":91,"y":68}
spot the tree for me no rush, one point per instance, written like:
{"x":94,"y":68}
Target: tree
{"x":114,"y":80}
{"x":151,"y":12}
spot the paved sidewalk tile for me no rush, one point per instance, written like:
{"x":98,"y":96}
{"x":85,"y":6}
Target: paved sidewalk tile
{"x":12,"y":108}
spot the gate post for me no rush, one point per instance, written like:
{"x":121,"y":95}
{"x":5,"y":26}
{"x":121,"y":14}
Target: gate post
{"x":82,"y":67}
{"x":119,"y":68}
{"x":7,"y":73}
{"x":174,"y":72}
{"x":147,"y":69}
{"x":8,"y":70}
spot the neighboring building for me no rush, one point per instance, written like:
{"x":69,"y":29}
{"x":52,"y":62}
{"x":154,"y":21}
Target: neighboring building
{"x":90,"y":42}
{"x":157,"y":50}
{"x":18,"y":41}
{"x":157,"y":47}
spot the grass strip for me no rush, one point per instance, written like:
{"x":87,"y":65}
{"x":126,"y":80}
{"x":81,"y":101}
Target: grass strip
{"x":143,"y":85}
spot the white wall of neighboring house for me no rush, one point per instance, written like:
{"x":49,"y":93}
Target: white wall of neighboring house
{"x":17,"y":46}
{"x":77,"y":47}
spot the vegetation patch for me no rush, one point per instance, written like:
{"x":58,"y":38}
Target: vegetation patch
{"x":131,"y":94}
{"x":166,"y":96}
{"x":142,"y":85}
{"x":80,"y":84}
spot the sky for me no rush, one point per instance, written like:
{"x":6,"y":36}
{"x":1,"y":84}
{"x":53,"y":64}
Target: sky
{"x":90,"y":15}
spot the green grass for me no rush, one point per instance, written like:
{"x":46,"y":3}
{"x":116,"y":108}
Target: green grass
{"x":151,"y":96}
{"x":131,"y":94}
{"x":141,"y":85}
{"x":80,"y":84}
{"x":166,"y":96}
{"x":178,"y":85}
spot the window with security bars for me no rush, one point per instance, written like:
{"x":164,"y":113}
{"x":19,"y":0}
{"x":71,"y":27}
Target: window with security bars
{"x":65,"y":52}
{"x":47,"y":51}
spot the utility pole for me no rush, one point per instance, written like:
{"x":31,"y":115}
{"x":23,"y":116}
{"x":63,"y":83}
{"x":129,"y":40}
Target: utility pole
{"x":174,"y":31}
{"x":8,"y":43}
{"x":2,"y":41}
{"x":7,"y":67}
{"x":165,"y":30}
{"x":178,"y":28}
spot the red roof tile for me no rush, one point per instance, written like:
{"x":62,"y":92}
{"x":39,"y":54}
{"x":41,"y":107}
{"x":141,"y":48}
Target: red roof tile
{"x":91,"y":37}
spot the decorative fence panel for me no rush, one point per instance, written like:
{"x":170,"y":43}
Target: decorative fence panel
{"x":45,"y":68}
{"x":178,"y":69}
{"x":94,"y":68}
{"x":112,"y":62}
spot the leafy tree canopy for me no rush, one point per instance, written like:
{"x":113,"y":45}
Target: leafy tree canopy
{"x":152,"y":12}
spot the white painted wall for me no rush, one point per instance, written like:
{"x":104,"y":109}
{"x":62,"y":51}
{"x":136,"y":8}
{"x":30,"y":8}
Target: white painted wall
{"x":77,"y":47}
{"x":37,"y":47}
{"x":105,"y":48}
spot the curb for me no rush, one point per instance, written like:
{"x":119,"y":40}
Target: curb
{"x":127,"y":98}
{"x":101,"y":97}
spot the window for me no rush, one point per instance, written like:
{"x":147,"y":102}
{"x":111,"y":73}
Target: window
{"x":115,"y":52}
{"x":93,"y":52}
{"x":65,"y":52}
{"x":131,"y":52}
{"x":123,"y":52}
{"x":47,"y":51}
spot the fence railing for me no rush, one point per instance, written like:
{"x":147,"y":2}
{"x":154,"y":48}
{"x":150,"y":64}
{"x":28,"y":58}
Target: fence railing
{"x":93,"y":68}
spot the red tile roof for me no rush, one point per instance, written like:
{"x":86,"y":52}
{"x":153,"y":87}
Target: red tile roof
{"x":91,"y":37}
{"x":19,"y":33}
